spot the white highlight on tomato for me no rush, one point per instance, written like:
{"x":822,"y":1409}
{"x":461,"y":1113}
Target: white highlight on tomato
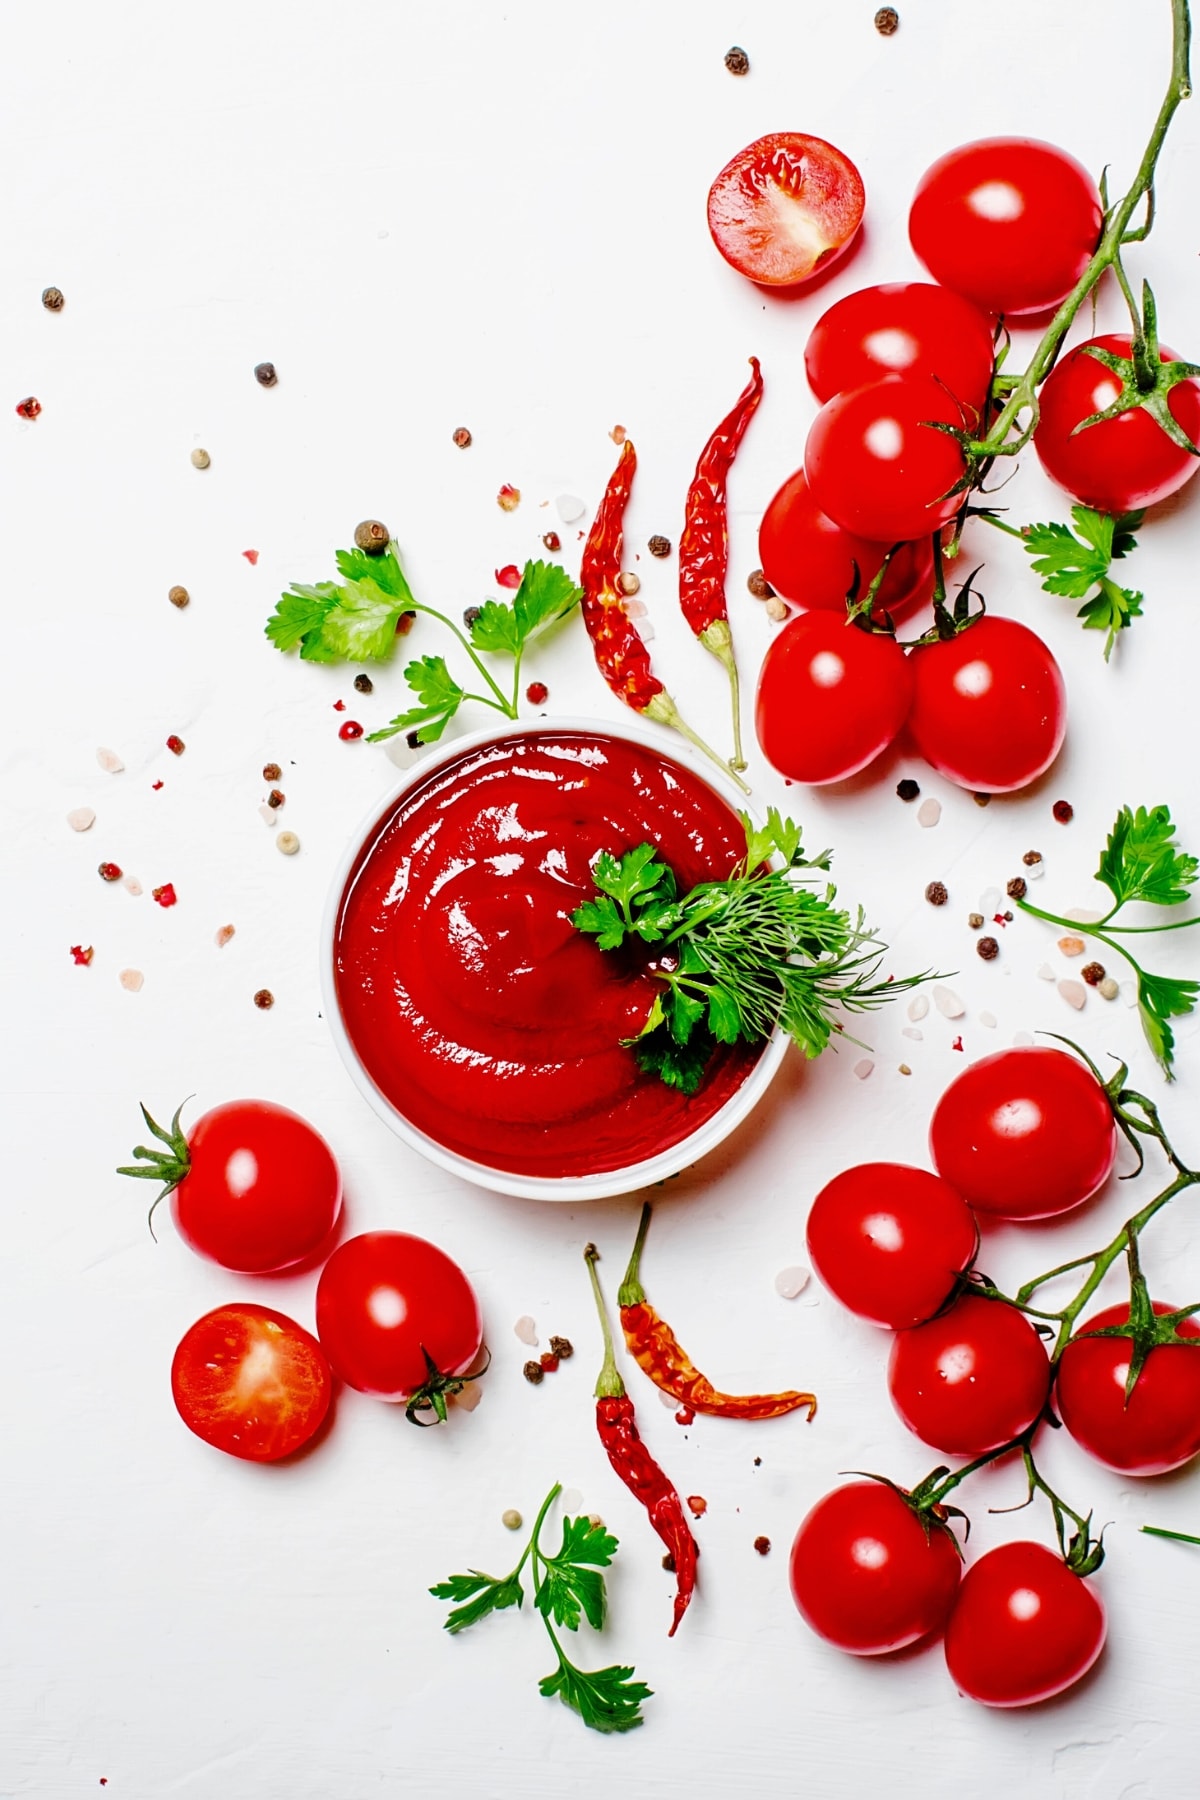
{"x":973,"y":680}
{"x":1024,"y":1604}
{"x":1017,"y":1118}
{"x":827,"y":669}
{"x":884,"y":1231}
{"x":956,"y":1364}
{"x":387,"y":1307}
{"x":998,"y":200}
{"x":894,"y":348}
{"x":885,"y":439}
{"x":1104,"y":393}
{"x":241,"y":1172}
{"x":1120,"y":1375}
{"x":869,"y":1553}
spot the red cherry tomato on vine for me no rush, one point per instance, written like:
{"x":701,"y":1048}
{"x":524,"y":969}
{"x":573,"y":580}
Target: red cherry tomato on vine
{"x":385,"y":1299}
{"x":971,"y":1378}
{"x":868,"y":1574}
{"x":1024,"y":1627}
{"x":878,"y":465}
{"x":889,"y":1241}
{"x":1010,"y":223}
{"x":1121,"y":464}
{"x":785,"y":208}
{"x":902,"y":328}
{"x":830,"y":698}
{"x":811,"y":561}
{"x":989,"y":707}
{"x":1025,"y":1133}
{"x":1158,"y":1427}
{"x":251,"y":1382}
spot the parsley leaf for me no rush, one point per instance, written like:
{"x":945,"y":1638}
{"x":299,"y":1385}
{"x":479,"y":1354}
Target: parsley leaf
{"x":605,"y":1699}
{"x":1074,"y":563}
{"x":1142,"y":859}
{"x":490,"y":1596}
{"x":1113,"y":609}
{"x":572,"y":1579}
{"x":678,"y":1063}
{"x":1160,"y":999}
{"x":354,"y":621}
{"x":546,"y":595}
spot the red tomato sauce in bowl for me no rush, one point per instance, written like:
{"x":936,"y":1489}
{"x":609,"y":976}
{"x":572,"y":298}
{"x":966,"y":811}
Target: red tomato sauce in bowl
{"x":479,"y":1013}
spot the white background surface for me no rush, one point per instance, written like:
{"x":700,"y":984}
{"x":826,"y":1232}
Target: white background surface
{"x":432,"y":216}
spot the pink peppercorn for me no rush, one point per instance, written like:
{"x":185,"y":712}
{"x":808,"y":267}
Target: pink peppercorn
{"x":350,"y":730}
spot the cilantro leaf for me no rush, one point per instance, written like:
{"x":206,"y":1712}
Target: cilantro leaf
{"x":490,"y":1596}
{"x":1113,"y":609}
{"x":1160,"y":998}
{"x":1073,"y":564}
{"x":605,"y":1699}
{"x":1142,"y":860}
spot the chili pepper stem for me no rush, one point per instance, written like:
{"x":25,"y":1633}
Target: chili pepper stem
{"x":718,"y":638}
{"x":663,"y":710}
{"x":631,"y":1291}
{"x":609,"y":1385}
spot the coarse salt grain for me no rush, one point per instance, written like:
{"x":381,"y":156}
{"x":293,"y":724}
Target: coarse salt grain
{"x":1074,"y":993}
{"x":132,"y":885}
{"x":1071,"y":946}
{"x":569,"y":507}
{"x":918,"y":1006}
{"x":793,"y":1281}
{"x":948,"y":1003}
{"x":1046,"y":973}
{"x":910,"y":1031}
{"x":988,"y":1019}
{"x":668,"y":1400}
{"x":81,"y":818}
{"x":1083,"y":915}
{"x":109,"y":761}
{"x":1021,"y":1038}
{"x":526,"y":1330}
{"x":131,"y":980}
{"x":571,"y":1499}
{"x":468,"y":1398}
{"x":1129,"y":993}
{"x":268,"y":814}
{"x":863,"y":1067}
{"x":929,"y":812}
{"x":223,"y":935}
{"x":1036,"y":870}
{"x":989,"y":901}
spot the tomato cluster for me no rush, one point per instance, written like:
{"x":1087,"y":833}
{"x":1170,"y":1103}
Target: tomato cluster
{"x":254,"y":1188}
{"x":1027,"y":1133}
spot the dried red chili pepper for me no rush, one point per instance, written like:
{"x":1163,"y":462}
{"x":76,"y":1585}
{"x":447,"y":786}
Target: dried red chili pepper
{"x":659,"y":1353}
{"x":635,"y":1465}
{"x":704,"y":545}
{"x":621,"y":655}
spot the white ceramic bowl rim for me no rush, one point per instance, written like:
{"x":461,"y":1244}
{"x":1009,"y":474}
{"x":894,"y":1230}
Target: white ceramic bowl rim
{"x":535,"y":1187}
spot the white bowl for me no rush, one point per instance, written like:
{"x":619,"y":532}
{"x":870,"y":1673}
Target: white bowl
{"x":625,"y":1180}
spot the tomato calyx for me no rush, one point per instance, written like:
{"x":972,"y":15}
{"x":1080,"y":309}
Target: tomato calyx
{"x":431,"y":1395}
{"x":923,"y":1501}
{"x":1146,"y":381}
{"x":169,"y":1166}
{"x":1144,"y":1328}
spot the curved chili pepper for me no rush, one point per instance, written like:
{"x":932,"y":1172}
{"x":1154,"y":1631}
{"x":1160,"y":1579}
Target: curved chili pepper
{"x":621,"y":654}
{"x":659,"y":1353}
{"x":704,"y":545}
{"x":632,"y":1461}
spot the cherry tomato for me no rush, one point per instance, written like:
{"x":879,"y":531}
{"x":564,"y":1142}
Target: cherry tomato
{"x":868,"y":1575}
{"x":785,"y":208}
{"x":251,"y":1382}
{"x":902,"y":328}
{"x":811,"y":561}
{"x":385,"y":1299}
{"x":830,"y":698}
{"x":1024,"y":1627}
{"x":878,"y":466}
{"x":1009,"y":223}
{"x":971,"y":1378}
{"x":1024,"y":1134}
{"x":1158,"y":1427}
{"x":989,"y":706}
{"x":889,"y":1241}
{"x":1120,"y":464}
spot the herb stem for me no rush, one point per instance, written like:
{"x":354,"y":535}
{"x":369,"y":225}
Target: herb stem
{"x":508,"y":708}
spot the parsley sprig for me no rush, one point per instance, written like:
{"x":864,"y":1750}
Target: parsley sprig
{"x":1076,"y":565}
{"x":567,"y":1586}
{"x":1142,"y":864}
{"x":357,"y":620}
{"x":737,"y":957}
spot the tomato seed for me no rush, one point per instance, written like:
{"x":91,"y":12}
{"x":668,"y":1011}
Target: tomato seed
{"x":373,"y":536}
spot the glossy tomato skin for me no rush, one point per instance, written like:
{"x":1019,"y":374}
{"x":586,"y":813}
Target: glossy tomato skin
{"x":1158,"y":1428}
{"x":251,"y":1382}
{"x":785,"y":208}
{"x":263,"y":1191}
{"x":902,"y":328}
{"x":383,"y":1299}
{"x":877,"y":465}
{"x":830,"y":698}
{"x":1024,"y":1627}
{"x":867,"y":1575}
{"x":989,"y":707}
{"x":890,"y":1241}
{"x":1025,"y":1133}
{"x":1009,"y":223}
{"x":811,"y":561}
{"x":971,"y":1378}
{"x":1119,"y":464}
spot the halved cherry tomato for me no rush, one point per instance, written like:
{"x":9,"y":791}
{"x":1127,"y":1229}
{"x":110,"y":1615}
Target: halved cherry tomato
{"x":1025,"y":1133}
{"x":1010,"y":223}
{"x":811,"y":561}
{"x":386,"y":1302}
{"x":902,"y":328}
{"x":1024,"y":1627}
{"x":868,"y":1574}
{"x":971,"y":1378}
{"x":989,"y":706}
{"x":251,"y":1382}
{"x":878,"y":463}
{"x":830,"y":698}
{"x":1158,"y":1427}
{"x":1121,"y":464}
{"x":890,"y":1241}
{"x":785,"y":208}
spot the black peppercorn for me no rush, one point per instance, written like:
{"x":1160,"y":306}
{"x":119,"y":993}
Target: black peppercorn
{"x":533,"y":1373}
{"x":887,"y":21}
{"x":265,"y":374}
{"x":470,"y":615}
{"x":1016,"y":889}
{"x":936,"y":893}
{"x":736,"y":61}
{"x":373,"y":536}
{"x":988,"y":948}
{"x":363,"y":684}
{"x":659,"y":545}
{"x":1064,"y":812}
{"x":908,"y":789}
{"x":53,"y":299}
{"x":759,"y":586}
